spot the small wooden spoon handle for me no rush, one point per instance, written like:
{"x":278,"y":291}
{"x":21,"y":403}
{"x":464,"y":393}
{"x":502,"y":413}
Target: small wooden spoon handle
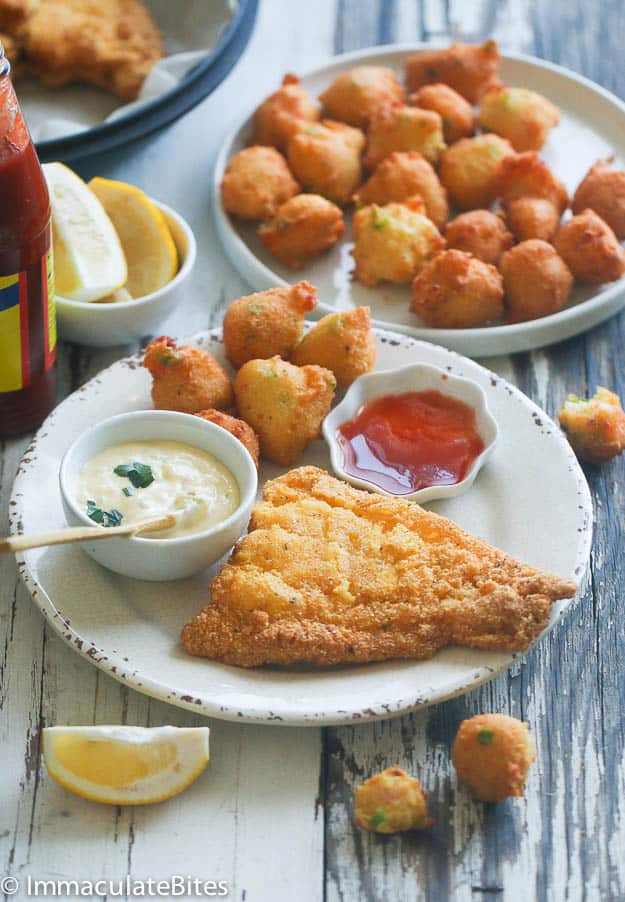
{"x":66,"y":536}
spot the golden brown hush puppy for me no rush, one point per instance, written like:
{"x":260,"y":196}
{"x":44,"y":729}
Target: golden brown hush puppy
{"x":305,"y":226}
{"x":393,"y":242}
{"x":454,"y":110}
{"x":325,"y":157}
{"x":533,"y":217}
{"x":470,"y":170}
{"x":470,"y":69}
{"x":256,"y":182}
{"x":457,"y":291}
{"x":594,"y":427}
{"x":284,"y":404}
{"x":238,"y":428}
{"x":522,"y":116}
{"x":390,"y":802}
{"x":278,"y":117}
{"x":185,"y":378}
{"x":354,"y":96}
{"x":480,"y":233}
{"x":341,"y":342}
{"x":402,"y":175}
{"x":492,"y":754}
{"x":401,"y":127}
{"x":603,"y":190}
{"x":589,"y":247}
{"x":267,"y":323}
{"x":527,"y":175}
{"x":536,"y":280}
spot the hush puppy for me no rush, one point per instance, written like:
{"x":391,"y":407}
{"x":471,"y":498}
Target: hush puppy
{"x":603,"y":190}
{"x":390,"y":802}
{"x":533,"y":217}
{"x":393,"y":242}
{"x":470,"y":69}
{"x":267,"y":323}
{"x":492,"y":754}
{"x":305,"y":226}
{"x":470,"y":170}
{"x":256,"y":182}
{"x":401,"y":127}
{"x":589,"y":247}
{"x":284,"y":405}
{"x":280,"y":115}
{"x":527,"y":175}
{"x":354,"y":96}
{"x":238,"y":428}
{"x":457,"y":291}
{"x":536,"y":280}
{"x":594,"y":427}
{"x":480,"y":233}
{"x":340,"y":342}
{"x":522,"y":116}
{"x":325,"y":157}
{"x":186,"y":378}
{"x":402,"y":175}
{"x":454,"y":110}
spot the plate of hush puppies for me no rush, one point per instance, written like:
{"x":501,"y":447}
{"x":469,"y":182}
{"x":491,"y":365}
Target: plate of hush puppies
{"x":468,"y":197}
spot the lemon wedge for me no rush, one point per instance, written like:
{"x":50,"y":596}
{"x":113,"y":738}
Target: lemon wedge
{"x":125,"y":765}
{"x":149,"y":248}
{"x":89,"y":262}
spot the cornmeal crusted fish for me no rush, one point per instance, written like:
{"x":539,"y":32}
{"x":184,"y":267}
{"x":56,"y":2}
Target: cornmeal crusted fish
{"x":329,"y":574}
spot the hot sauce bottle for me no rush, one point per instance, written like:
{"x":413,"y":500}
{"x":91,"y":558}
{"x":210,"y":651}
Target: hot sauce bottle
{"x":27,"y":311}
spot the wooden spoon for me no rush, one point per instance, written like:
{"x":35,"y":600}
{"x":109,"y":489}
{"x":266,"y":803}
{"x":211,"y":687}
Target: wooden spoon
{"x":84,"y":533}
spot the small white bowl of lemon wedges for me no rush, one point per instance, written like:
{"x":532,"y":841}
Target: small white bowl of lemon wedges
{"x":120,"y":259}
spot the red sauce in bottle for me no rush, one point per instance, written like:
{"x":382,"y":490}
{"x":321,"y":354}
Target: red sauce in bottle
{"x":27,"y":312}
{"x":402,"y":443}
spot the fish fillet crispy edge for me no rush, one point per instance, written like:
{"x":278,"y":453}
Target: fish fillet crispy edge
{"x":329,"y":574}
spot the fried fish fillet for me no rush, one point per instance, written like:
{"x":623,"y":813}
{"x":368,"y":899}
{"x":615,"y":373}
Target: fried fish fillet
{"x":330,"y":575}
{"x":111,"y":44}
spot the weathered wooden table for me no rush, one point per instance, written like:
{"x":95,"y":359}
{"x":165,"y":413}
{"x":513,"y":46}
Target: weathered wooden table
{"x":272,"y":814}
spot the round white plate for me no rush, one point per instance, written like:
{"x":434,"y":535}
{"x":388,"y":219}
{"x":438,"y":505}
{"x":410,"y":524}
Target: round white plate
{"x":531,"y":500}
{"x":592,"y":126}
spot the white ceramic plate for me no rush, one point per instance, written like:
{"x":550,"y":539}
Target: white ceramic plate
{"x":531,"y":499}
{"x":592,"y":126}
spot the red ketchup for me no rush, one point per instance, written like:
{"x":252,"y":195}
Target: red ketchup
{"x":402,"y":443}
{"x":27,"y":312}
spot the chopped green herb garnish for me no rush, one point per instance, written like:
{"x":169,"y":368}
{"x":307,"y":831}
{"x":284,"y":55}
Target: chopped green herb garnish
{"x":485,"y":737}
{"x":378,"y":221}
{"x":139,"y":474}
{"x":377,"y":818}
{"x":255,"y":308}
{"x":102,"y":517}
{"x":127,"y":491}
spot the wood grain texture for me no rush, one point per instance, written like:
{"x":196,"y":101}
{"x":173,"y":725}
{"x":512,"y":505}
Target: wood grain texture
{"x":272,"y":815}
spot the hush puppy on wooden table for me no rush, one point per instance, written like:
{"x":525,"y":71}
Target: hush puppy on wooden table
{"x":454,"y":110}
{"x":470,"y":69}
{"x":402,"y":175}
{"x":457,"y":291}
{"x":589,"y":247}
{"x":354,"y":96}
{"x":303,"y":227}
{"x":256,"y":182}
{"x":280,"y":115}
{"x":267,"y":323}
{"x":340,"y":342}
{"x":492,"y":754}
{"x":325,"y":158}
{"x":390,"y":802}
{"x":595,"y":427}
{"x":186,"y":378}
{"x":284,"y":404}
{"x":603,"y":190}
{"x":402,"y":128}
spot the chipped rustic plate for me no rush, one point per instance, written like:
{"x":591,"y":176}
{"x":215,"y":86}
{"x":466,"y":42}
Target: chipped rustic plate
{"x":592,"y":126}
{"x":531,"y":500}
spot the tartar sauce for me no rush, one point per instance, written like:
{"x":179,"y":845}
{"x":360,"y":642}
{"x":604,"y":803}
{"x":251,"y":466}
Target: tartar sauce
{"x":154,"y":478}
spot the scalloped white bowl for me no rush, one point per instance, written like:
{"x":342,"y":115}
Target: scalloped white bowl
{"x":415,"y":377}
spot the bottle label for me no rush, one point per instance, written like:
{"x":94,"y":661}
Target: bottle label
{"x":27,"y":325}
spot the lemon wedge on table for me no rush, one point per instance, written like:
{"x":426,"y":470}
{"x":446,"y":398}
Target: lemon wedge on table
{"x":150,"y":251}
{"x":89,"y":262}
{"x":125,"y":765}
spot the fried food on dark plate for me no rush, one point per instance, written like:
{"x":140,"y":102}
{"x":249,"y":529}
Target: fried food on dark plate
{"x":329,"y":574}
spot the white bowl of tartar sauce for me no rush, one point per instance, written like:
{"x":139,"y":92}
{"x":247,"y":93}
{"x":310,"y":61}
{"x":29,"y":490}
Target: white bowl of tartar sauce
{"x":145,"y":464}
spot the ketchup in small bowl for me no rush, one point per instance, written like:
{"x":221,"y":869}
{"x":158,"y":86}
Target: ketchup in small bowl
{"x":410,"y":441}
